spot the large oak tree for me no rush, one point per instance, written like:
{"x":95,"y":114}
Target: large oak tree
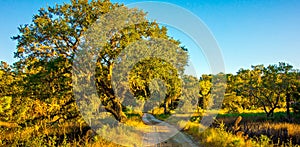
{"x":46,"y":49}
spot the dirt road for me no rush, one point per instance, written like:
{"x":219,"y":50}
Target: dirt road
{"x":162,"y":134}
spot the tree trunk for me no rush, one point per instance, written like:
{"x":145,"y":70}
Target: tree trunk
{"x":115,"y":108}
{"x":111,"y":103}
{"x":166,"y":103}
{"x":288,"y":99}
{"x":271,"y":112}
{"x":166,"y":108}
{"x":119,"y":115}
{"x":265,"y":109}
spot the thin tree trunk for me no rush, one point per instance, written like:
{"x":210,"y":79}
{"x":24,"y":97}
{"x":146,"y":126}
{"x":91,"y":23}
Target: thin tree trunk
{"x":166,"y":108}
{"x":288,"y":99}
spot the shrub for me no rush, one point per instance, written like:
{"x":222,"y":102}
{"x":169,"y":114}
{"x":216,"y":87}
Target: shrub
{"x":296,"y":107}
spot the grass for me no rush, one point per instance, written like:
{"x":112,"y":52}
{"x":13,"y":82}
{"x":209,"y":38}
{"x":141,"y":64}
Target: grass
{"x":71,"y":133}
{"x":255,"y":129}
{"x":278,"y":128}
{"x":54,"y":137}
{"x":220,"y":137}
{"x":214,"y":136}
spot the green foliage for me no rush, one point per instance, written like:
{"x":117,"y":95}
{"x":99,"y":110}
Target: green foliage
{"x":40,"y":82}
{"x":233,"y":103}
{"x":217,"y":136}
{"x":264,"y":140}
{"x":162,"y":116}
{"x":296,"y":107}
{"x":7,"y":79}
{"x":5,"y":107}
{"x":268,"y":87}
{"x":46,"y":50}
{"x":36,"y":92}
{"x":190,"y":94}
{"x":212,"y":89}
{"x":205,"y":91}
{"x":153,"y":69}
{"x":5,"y":103}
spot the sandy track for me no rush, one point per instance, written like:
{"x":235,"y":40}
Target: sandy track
{"x":162,"y":134}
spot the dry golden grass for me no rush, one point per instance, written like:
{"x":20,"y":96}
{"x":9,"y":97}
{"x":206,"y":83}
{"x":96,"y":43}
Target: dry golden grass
{"x":214,"y":136}
{"x":293,"y":129}
{"x":255,"y":123}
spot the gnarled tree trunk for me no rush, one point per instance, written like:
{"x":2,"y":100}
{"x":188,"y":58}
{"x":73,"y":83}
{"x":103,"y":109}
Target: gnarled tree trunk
{"x":115,"y":108}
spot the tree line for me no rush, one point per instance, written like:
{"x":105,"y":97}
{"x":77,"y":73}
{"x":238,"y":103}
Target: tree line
{"x":266,"y":87}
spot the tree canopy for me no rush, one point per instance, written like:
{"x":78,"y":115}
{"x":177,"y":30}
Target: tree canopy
{"x":47,"y":48}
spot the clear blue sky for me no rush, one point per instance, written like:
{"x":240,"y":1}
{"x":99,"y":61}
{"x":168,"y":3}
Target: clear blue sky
{"x":249,"y":32}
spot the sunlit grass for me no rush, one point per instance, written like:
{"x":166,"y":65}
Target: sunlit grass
{"x":214,"y":136}
{"x":257,"y":111}
{"x":43,"y":134}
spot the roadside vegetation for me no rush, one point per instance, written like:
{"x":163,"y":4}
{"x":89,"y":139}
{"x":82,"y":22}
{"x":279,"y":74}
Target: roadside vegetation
{"x":245,"y":129}
{"x":38,"y":106}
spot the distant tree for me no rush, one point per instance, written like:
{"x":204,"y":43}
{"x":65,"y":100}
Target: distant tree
{"x":270,"y":89}
{"x":150,"y":69}
{"x":190,"y":94}
{"x":245,"y":81}
{"x":212,"y":90}
{"x":269,"y":86}
{"x":290,"y":83}
{"x":205,"y":99}
{"x":219,"y":85}
{"x":233,"y":94}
